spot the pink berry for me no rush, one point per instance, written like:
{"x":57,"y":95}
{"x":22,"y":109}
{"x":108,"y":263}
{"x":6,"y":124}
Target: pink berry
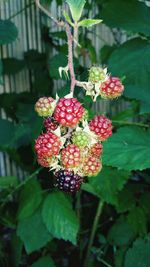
{"x":91,"y":166}
{"x":70,"y":156}
{"x":96,"y":150}
{"x":68,"y":112}
{"x":47,"y":145}
{"x":101,"y":126}
{"x":111,"y":88}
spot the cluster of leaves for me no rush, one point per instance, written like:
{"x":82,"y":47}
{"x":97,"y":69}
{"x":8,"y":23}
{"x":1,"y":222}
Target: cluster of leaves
{"x":42,"y":227}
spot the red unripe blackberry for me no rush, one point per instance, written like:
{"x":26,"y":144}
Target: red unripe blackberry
{"x":68,"y":112}
{"x":44,"y":162}
{"x":111,"y":88}
{"x":96,"y":150}
{"x":50,"y":124}
{"x":68,"y":181}
{"x":101,"y":126}
{"x":91,"y":166}
{"x":47,"y":145}
{"x":45,"y":106}
{"x":70,"y":156}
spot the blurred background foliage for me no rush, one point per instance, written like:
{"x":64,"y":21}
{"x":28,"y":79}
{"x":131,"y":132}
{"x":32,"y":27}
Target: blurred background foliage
{"x":41,"y":227}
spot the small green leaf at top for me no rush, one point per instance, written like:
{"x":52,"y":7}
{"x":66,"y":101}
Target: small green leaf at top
{"x":67,"y":18}
{"x":76,"y":8}
{"x":89,"y":22}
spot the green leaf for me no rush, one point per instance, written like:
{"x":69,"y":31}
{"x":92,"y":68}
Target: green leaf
{"x":59,"y":60}
{"x":139,"y":255}
{"x":89,"y":22}
{"x":54,"y":64}
{"x":137,"y":219}
{"x":107,"y":184}
{"x":8,"y":181}
{"x":35,"y":60}
{"x":145,"y":203}
{"x":105,"y":53}
{"x":125,"y":200}
{"x":137,"y":81}
{"x":12,"y":65}
{"x":22,"y":135}
{"x":59,"y":217}
{"x":6,"y":133}
{"x":128,"y":149}
{"x":132,"y":16}
{"x":76,"y":8}
{"x":121,"y":233}
{"x":8,"y":32}
{"x":30,"y":199}
{"x":90,"y":189}
{"x":44,"y":262}
{"x":33,"y":232}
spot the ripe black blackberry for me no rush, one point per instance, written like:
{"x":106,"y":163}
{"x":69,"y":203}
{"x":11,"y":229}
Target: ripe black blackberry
{"x":68,"y":181}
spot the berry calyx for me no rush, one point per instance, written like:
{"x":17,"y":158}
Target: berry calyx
{"x":91,"y":166}
{"x":68,"y":181}
{"x":111,"y":88}
{"x":80,"y":138}
{"x":70,"y":156}
{"x":96,"y":150}
{"x":45,"y":106}
{"x":97,"y":74}
{"x":47,"y":145}
{"x":101,"y":126}
{"x":50,"y":124}
{"x":68,"y":112}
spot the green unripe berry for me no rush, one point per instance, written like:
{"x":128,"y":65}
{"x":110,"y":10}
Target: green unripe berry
{"x":97,"y":74}
{"x":81,"y":139}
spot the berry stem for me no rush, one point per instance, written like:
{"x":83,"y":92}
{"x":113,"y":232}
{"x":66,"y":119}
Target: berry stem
{"x":93,"y":232}
{"x":46,"y":12}
{"x":70,"y":58}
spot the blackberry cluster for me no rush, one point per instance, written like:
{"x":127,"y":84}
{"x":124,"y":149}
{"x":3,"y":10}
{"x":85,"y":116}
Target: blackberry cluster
{"x":70,"y":145}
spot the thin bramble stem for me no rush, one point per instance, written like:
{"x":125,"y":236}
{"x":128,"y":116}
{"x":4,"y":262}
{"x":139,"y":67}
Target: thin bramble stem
{"x":105,"y":263}
{"x":70,"y":58}
{"x":48,"y":13}
{"x":93,"y":232}
{"x":131,"y":123}
{"x":21,"y":10}
{"x":20,"y":185}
